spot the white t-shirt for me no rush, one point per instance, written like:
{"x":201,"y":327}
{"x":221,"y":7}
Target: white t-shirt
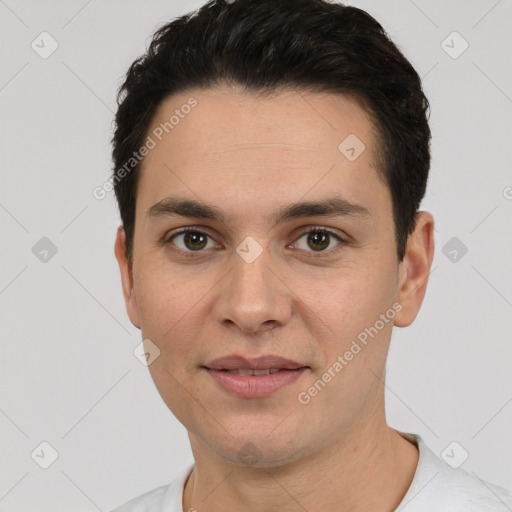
{"x":436,"y":487}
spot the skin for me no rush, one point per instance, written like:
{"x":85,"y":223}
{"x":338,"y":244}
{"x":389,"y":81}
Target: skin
{"x":251,"y":156}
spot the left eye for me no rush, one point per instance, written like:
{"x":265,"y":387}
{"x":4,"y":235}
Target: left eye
{"x":319,"y":239}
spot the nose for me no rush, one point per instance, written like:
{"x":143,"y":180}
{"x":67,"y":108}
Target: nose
{"x":253,"y":299}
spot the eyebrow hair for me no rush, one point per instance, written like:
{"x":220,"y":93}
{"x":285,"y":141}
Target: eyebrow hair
{"x":328,"y":207}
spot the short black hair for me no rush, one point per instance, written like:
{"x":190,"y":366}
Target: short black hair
{"x":270,"y":45}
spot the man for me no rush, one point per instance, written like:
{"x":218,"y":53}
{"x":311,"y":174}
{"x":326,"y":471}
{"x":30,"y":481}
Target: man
{"x":270,"y":159}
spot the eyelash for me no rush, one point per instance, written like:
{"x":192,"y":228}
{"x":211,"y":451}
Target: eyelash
{"x":314,"y":229}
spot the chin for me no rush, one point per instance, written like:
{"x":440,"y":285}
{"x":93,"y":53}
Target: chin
{"x":260,"y":448}
{"x":249,"y":455}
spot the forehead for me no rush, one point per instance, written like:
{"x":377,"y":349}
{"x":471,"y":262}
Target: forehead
{"x":269,"y":148}
{"x":228,"y":116}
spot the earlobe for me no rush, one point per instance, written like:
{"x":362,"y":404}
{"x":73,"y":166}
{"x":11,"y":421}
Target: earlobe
{"x":415,"y":269}
{"x":126,"y":277}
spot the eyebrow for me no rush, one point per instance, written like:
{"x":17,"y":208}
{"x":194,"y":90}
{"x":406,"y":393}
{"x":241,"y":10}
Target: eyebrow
{"x":328,"y":207}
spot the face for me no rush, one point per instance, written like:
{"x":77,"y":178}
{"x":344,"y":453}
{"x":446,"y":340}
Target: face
{"x":257,"y":276}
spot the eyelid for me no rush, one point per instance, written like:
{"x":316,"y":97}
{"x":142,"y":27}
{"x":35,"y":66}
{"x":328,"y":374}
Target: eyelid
{"x":325,"y":229}
{"x":180,"y":231}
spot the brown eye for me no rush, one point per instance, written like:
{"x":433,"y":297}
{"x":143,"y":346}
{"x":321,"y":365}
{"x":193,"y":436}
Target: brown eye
{"x":193,"y":240}
{"x":318,"y":240}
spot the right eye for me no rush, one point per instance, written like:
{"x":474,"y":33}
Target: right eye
{"x":190,"y":240}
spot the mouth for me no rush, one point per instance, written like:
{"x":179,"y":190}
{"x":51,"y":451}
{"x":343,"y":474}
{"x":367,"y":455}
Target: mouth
{"x":254,"y":378}
{"x":265,"y":364}
{"x":255,"y":372}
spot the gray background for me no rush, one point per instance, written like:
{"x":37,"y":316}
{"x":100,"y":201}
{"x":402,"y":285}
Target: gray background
{"x":68,"y":375}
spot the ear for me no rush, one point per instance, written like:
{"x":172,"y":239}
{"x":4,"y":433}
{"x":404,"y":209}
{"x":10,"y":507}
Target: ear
{"x":414,"y":269}
{"x":126,"y":277}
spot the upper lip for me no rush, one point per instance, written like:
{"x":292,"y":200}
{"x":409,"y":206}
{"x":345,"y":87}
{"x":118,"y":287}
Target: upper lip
{"x":238,"y":362}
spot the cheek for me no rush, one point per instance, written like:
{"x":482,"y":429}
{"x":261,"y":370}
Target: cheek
{"x":169,"y":310}
{"x":346,"y":313}
{"x":349,"y":298}
{"x":163,"y":295}
{"x":172,"y":310}
{"x":155,"y":301}
{"x":354,"y":347}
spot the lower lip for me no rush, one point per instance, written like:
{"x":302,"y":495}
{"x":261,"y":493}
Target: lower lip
{"x":255,"y":386}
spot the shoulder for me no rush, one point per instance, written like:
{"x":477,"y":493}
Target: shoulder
{"x":438,"y":486}
{"x":166,"y":498}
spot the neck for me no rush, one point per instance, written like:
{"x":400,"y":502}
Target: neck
{"x":365,"y":470}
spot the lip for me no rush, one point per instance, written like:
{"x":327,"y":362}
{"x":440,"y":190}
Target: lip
{"x":238,"y":362}
{"x":254,"y":386}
